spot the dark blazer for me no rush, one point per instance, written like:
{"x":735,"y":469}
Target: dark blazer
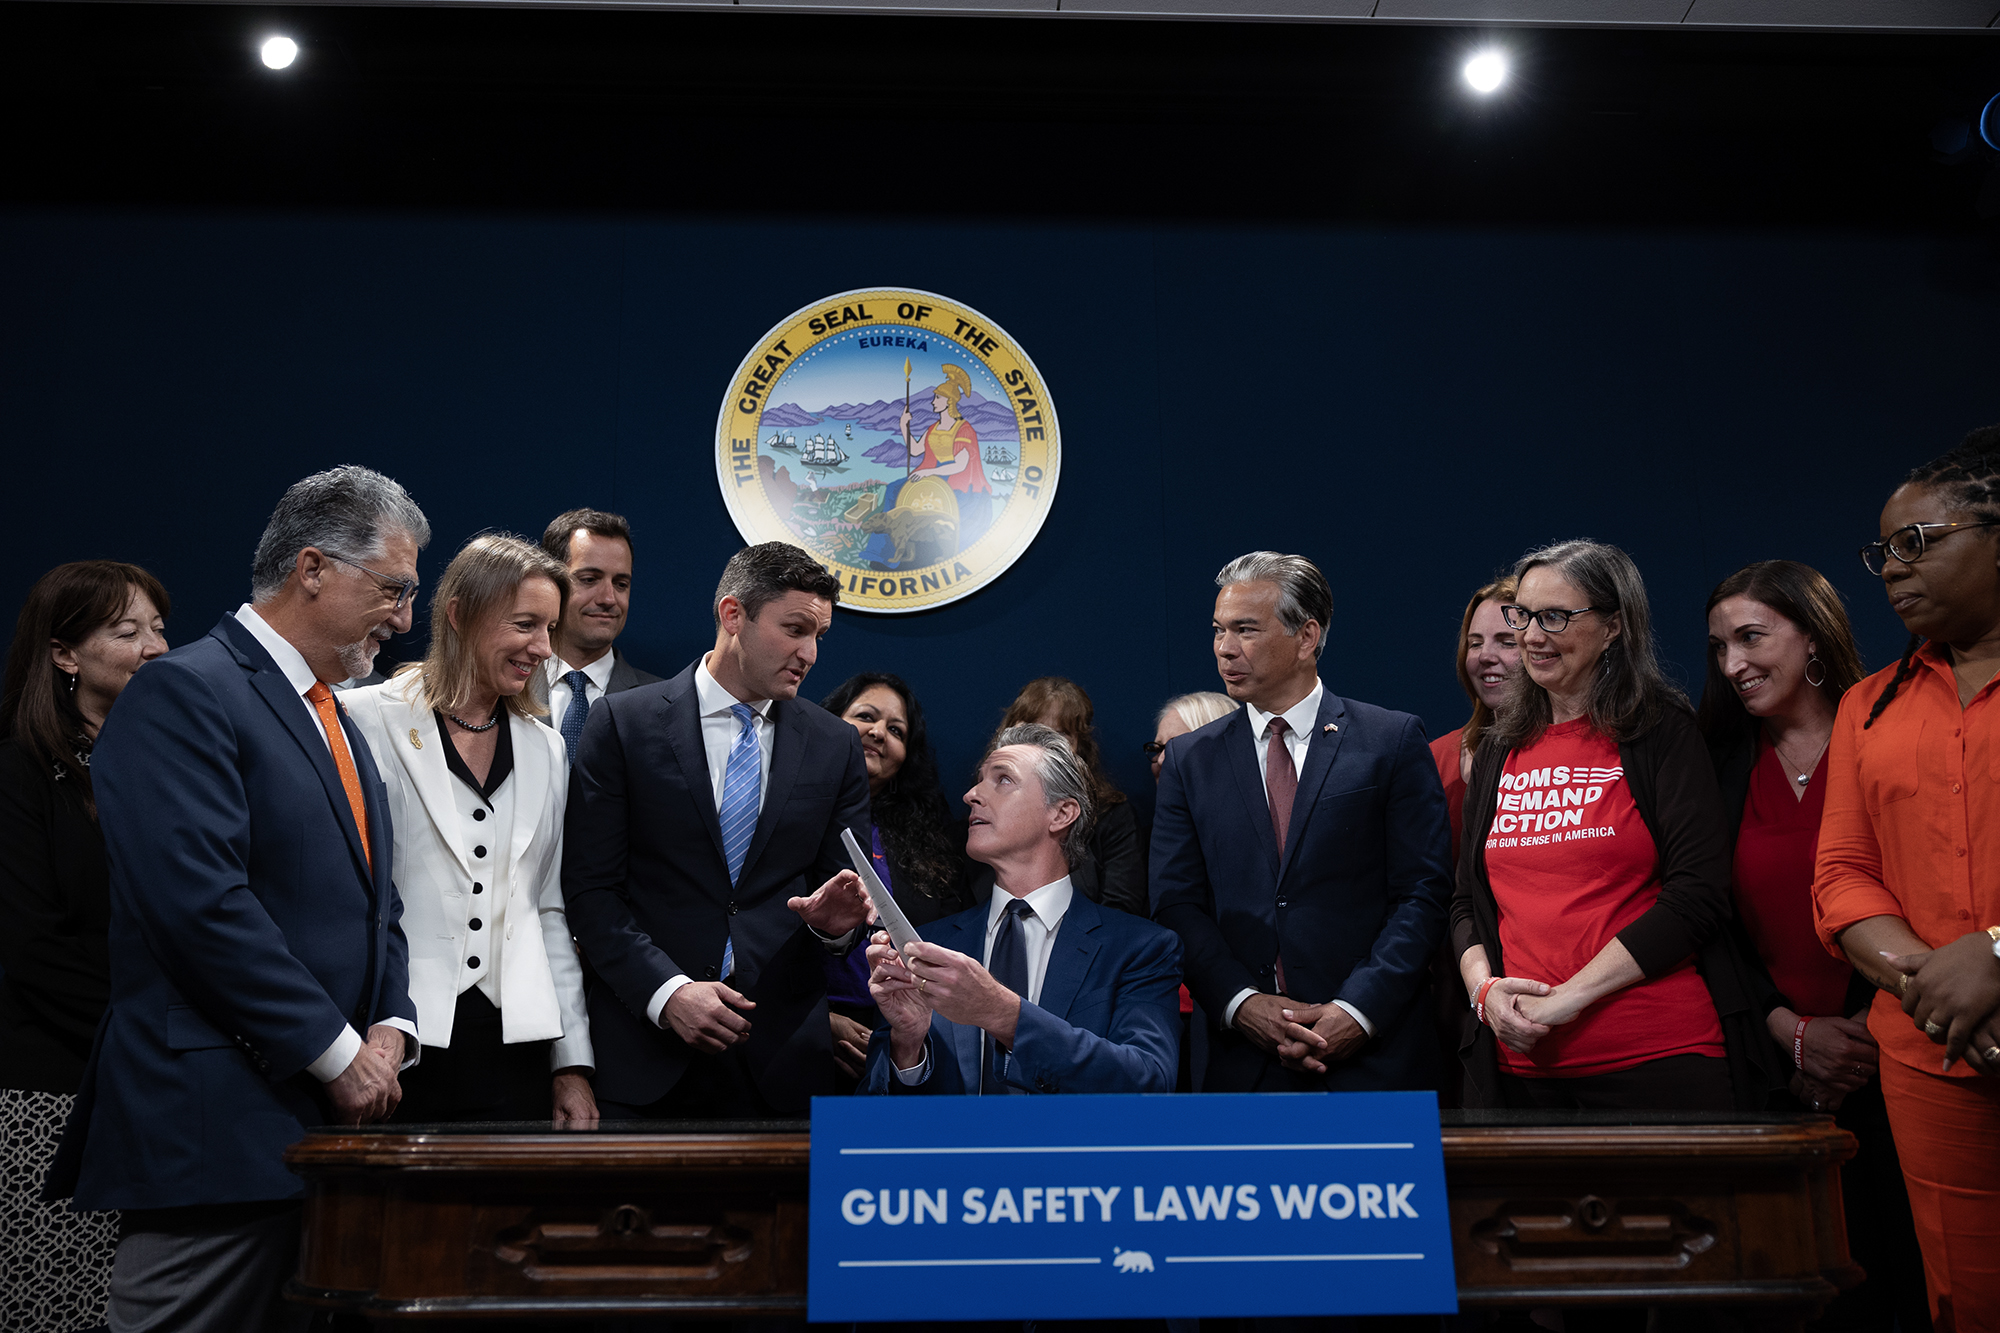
{"x":625,"y":676}
{"x":1673,"y":785}
{"x":55,"y":897}
{"x":246,"y":931}
{"x":1109,"y":1018}
{"x":1357,"y":901}
{"x":648,"y":892}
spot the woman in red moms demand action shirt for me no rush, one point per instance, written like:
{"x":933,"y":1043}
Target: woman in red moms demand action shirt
{"x":1596,"y":868}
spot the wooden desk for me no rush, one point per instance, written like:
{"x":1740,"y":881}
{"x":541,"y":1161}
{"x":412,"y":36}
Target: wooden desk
{"x":523,"y":1221}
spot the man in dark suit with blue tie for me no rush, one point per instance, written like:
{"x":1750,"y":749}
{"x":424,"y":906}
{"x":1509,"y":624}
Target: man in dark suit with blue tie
{"x":1301,"y":850}
{"x":702,"y":812}
{"x":1040,"y":989}
{"x":254,"y":928}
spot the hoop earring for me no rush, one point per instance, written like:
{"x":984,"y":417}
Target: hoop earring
{"x":1815,"y":662}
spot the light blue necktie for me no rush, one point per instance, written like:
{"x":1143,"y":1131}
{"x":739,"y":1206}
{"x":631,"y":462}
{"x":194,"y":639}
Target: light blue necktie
{"x":739,"y":807}
{"x":578,"y":710}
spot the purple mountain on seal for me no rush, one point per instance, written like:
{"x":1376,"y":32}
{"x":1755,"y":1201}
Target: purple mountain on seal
{"x":788,"y":414}
{"x":992,"y":420}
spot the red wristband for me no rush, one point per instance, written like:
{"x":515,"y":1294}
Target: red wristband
{"x":1799,"y":1043}
{"x":1479,"y":1000}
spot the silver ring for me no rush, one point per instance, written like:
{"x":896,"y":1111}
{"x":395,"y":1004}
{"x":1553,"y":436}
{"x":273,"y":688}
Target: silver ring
{"x":1991,"y":1055}
{"x":1932,"y":1030}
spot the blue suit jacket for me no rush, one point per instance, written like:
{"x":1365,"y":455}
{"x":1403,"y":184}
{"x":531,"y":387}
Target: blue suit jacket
{"x":1109,"y":1019}
{"x":648,"y":893}
{"x":1357,"y":901}
{"x":246,"y":930}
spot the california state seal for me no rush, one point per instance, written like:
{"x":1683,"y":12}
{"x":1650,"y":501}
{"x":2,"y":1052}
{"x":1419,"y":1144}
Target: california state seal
{"x":901,"y":437}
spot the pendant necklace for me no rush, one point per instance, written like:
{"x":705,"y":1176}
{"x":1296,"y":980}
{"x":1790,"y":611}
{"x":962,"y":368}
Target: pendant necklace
{"x":1806,"y":776}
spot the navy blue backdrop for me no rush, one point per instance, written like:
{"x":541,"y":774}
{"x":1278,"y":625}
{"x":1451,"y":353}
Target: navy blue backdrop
{"x":1412,"y":409}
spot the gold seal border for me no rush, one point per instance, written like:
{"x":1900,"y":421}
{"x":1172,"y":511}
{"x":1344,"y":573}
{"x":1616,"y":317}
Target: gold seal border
{"x":792,"y":338}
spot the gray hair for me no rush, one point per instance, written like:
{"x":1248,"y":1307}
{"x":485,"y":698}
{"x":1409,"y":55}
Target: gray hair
{"x":1629,"y":692}
{"x":350,"y":511}
{"x":1197,"y":710}
{"x":1063,"y":778}
{"x":1303,"y":592}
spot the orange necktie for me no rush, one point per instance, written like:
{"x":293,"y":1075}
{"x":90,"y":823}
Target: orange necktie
{"x":321,"y":698}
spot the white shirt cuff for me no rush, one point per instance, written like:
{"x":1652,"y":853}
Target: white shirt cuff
{"x":658,"y":1004}
{"x":337,"y":1057}
{"x":833,"y":943}
{"x":1357,"y":1016}
{"x":1235,"y":1003}
{"x":911,"y":1077}
{"x":413,"y":1049}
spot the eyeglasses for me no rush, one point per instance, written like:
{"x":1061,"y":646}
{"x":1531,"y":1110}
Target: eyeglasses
{"x":1154,"y":747}
{"x":1907,"y":544}
{"x":1552,"y":621}
{"x":405,"y":588}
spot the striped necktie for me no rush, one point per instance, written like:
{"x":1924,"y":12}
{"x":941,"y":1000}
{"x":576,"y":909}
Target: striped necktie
{"x":738,"y":815}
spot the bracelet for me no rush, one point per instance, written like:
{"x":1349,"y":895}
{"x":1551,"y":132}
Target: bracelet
{"x":1799,"y":1043}
{"x":1479,"y":1001}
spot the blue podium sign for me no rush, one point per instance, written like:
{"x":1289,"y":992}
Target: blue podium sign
{"x":938,"y":1208}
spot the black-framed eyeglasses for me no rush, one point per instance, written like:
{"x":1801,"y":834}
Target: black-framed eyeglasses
{"x":1154,"y":747}
{"x":1553,"y":621}
{"x":405,"y":588}
{"x":1907,"y":543}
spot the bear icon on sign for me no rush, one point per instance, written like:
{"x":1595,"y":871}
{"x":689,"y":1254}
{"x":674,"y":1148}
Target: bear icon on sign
{"x":1132,"y":1261}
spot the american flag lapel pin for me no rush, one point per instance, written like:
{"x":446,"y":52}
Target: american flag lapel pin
{"x":1329,"y":727}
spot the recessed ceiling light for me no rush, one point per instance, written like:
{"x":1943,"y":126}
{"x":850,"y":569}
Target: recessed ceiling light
{"x":1486,"y":71}
{"x":278,"y":52}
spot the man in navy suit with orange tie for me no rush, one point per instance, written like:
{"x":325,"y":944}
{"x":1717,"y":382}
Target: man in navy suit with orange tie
{"x":703,"y":867}
{"x":259,"y":974}
{"x":1302,"y":851}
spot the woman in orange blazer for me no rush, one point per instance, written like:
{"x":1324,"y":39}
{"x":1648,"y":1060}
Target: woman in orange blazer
{"x":1907,"y":884}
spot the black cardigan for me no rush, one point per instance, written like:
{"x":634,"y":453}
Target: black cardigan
{"x":55,"y":916}
{"x":1674,"y":788}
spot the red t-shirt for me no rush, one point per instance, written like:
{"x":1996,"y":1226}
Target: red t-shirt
{"x":1572,"y":864}
{"x":1775,"y":851}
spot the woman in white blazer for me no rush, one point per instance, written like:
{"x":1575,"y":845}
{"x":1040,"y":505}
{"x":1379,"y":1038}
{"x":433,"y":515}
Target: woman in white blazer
{"x":476,"y":795}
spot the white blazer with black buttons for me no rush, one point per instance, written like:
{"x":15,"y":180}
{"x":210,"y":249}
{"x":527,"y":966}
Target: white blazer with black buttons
{"x":541,"y":981}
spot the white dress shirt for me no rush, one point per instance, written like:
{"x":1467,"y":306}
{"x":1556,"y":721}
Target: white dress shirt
{"x":1048,"y":906}
{"x":333,"y":1062}
{"x":719,"y":729}
{"x":1301,"y":721}
{"x":596,"y":680}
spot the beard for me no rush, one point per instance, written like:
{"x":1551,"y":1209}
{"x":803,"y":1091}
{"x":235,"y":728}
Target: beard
{"x":358,"y":659}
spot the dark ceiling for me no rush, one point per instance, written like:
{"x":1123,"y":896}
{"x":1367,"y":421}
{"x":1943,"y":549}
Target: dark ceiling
{"x":738,"y":112}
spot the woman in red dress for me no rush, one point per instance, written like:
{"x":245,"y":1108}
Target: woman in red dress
{"x":1781,"y":655}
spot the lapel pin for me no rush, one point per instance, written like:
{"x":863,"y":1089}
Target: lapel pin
{"x":1328,"y":727}
{"x":416,"y":741}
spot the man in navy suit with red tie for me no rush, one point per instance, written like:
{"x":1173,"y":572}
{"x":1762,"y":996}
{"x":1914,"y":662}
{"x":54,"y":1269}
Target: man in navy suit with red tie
{"x":1302,"y":851}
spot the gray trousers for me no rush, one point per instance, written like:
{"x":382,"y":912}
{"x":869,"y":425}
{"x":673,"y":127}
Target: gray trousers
{"x":217,"y":1267}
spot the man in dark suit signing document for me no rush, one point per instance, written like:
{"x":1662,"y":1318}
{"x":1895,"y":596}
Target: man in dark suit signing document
{"x":259,"y":974}
{"x":703,"y":810}
{"x":1302,"y":852}
{"x":1040,"y":989}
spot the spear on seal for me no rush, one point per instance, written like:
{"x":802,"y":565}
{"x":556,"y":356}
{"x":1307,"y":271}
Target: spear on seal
{"x":906,"y":407}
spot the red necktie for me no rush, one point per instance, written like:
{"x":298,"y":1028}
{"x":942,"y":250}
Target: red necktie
{"x":1281,"y":781}
{"x":321,"y":699}
{"x":1281,"y":784}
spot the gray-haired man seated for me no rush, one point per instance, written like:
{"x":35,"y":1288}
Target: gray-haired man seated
{"x":1039,"y":990}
